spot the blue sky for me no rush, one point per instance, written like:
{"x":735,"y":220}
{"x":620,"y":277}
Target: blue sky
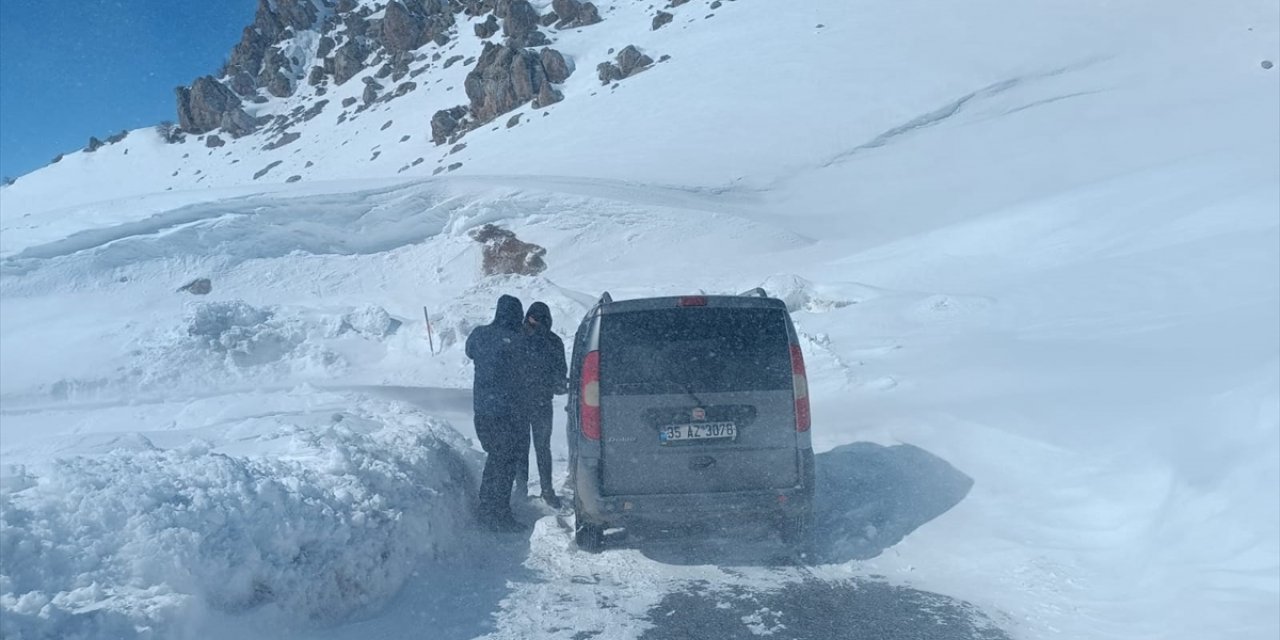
{"x":70,"y":69}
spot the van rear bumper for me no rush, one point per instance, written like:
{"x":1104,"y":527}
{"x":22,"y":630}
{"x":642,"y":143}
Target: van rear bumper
{"x":686,"y":508}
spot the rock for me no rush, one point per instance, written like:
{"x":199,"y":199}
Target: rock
{"x":515,"y":120}
{"x":199,"y":287}
{"x":457,"y":147}
{"x":455,"y":166}
{"x":296,"y":14}
{"x":293,"y":178}
{"x":283,"y":140}
{"x":520,"y":23}
{"x":263,"y":171}
{"x":664,"y":58}
{"x":716,"y":4}
{"x":676,"y":3}
{"x":661,"y":19}
{"x":452,"y":61}
{"x":504,"y":78}
{"x":566,"y":10}
{"x":445,"y":123}
{"x":1267,"y":64}
{"x":631,"y":61}
{"x":608,"y":72}
{"x":386,"y":125}
{"x":589,"y":15}
{"x":316,"y":76}
{"x":487,"y":28}
{"x":549,"y":18}
{"x":208,"y":105}
{"x":242,"y":83}
{"x":279,"y":85}
{"x":547,"y":96}
{"x":346,"y":102}
{"x":370,"y":94}
{"x":574,"y":13}
{"x":325,"y":47}
{"x":308,"y":165}
{"x":117,"y":137}
{"x":437,"y":171}
{"x":555,"y":66}
{"x":402,"y":30}
{"x":504,"y":253}
{"x":348,"y":60}
{"x":213,"y":142}
{"x":94,"y":145}
{"x":314,"y":110}
{"x":404,"y":88}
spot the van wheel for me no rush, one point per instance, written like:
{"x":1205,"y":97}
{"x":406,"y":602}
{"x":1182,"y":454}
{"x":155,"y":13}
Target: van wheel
{"x":588,"y":536}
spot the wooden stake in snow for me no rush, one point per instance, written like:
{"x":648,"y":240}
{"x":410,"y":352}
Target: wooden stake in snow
{"x":430,"y":340}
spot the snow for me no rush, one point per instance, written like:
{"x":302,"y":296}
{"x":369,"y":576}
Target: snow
{"x":1032,"y":251}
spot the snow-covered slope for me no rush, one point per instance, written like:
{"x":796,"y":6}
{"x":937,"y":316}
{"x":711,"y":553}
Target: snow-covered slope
{"x":1038,"y":241}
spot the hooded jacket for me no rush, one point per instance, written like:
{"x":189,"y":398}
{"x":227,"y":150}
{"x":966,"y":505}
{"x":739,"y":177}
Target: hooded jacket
{"x":547,"y":370}
{"x":499,"y":353}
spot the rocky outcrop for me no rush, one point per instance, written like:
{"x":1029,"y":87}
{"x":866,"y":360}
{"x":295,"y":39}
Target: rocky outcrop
{"x":348,"y":60}
{"x":409,"y":24}
{"x":520,"y":22}
{"x":573,"y":13}
{"x":504,"y":78}
{"x":208,"y":105}
{"x":504,"y":253}
{"x":663,"y":18}
{"x":627,"y":63}
{"x":94,"y":144}
{"x":213,"y":142}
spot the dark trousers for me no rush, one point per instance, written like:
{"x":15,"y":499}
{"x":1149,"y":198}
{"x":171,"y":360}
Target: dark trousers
{"x":500,"y":436}
{"x":539,"y":416}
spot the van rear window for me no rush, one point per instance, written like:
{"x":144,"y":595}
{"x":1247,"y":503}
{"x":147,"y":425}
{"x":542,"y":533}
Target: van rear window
{"x":694,"y":350}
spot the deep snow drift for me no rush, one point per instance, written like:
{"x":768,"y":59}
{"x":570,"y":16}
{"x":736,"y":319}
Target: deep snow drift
{"x":1032,"y":251}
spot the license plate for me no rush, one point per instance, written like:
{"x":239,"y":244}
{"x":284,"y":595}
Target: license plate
{"x":697,"y":431}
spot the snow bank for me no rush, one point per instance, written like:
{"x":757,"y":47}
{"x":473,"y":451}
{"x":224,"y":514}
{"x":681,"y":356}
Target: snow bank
{"x":145,"y":543}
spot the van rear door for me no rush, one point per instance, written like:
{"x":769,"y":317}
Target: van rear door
{"x":697,"y":399}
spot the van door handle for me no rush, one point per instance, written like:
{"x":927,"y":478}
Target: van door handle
{"x":702,"y":462}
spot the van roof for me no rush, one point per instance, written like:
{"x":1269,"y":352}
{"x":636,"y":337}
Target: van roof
{"x":692,"y":301}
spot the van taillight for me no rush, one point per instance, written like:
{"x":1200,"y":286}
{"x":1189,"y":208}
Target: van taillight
{"x":693,"y":301}
{"x":589,"y":397}
{"x":800,"y":383}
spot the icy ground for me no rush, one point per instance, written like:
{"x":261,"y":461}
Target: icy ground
{"x":1033,"y":252}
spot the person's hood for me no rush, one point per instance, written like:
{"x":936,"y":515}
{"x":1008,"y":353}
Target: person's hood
{"x":510,"y":312}
{"x":541,"y":313}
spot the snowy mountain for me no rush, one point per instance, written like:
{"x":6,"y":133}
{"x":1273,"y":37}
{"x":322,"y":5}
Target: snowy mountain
{"x":1033,"y":250}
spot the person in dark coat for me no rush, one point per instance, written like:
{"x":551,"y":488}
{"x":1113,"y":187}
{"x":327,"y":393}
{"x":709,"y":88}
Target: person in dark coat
{"x":546,"y":377}
{"x":499,"y":352}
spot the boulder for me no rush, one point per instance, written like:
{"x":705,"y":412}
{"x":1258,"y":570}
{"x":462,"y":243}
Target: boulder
{"x":403,"y":30}
{"x":487,"y":28}
{"x":573,"y":13}
{"x":213,"y":141}
{"x":663,"y":18}
{"x":555,"y":66}
{"x":520,"y":23}
{"x":631,"y":61}
{"x":316,"y":76}
{"x":504,"y":253}
{"x":94,"y":144}
{"x":547,"y":96}
{"x":370,"y":93}
{"x":325,"y":47}
{"x":446,"y":122}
